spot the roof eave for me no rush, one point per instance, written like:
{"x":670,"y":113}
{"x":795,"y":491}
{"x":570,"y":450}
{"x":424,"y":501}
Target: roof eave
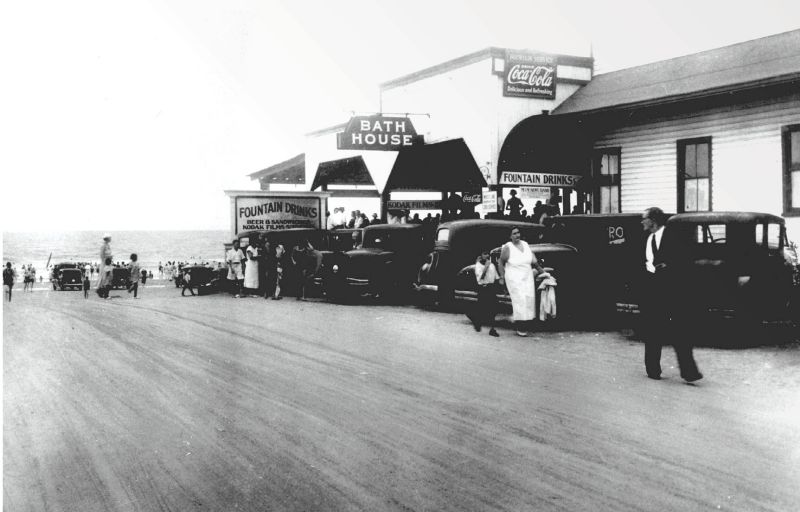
{"x":666,"y":100}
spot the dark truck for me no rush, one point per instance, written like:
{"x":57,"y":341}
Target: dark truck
{"x":611,"y":248}
{"x":384,"y":266}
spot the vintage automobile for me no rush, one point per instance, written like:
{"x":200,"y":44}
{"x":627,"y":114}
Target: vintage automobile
{"x":205,"y":279}
{"x":66,"y":275}
{"x":344,"y":239}
{"x":120,"y":276}
{"x":611,"y":249}
{"x":457,"y":245}
{"x":732,"y":264}
{"x":384,"y":266}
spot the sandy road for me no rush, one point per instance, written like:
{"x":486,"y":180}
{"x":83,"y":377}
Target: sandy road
{"x":212,"y":403}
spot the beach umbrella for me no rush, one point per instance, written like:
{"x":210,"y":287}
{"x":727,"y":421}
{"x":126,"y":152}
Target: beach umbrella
{"x":48,"y":260}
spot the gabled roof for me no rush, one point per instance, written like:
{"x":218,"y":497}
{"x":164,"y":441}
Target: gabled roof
{"x":345,"y":171}
{"x":289,"y":171}
{"x":770,"y":60}
{"x":446,"y":166}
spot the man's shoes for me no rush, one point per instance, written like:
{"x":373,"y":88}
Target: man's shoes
{"x":493,"y":332}
{"x":475,"y":324}
{"x":697,"y":376}
{"x":522,"y":334}
{"x":654,"y":377}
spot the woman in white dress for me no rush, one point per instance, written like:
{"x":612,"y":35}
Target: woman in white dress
{"x":251,"y":271}
{"x":516,"y":270}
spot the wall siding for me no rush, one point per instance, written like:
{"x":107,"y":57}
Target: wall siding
{"x":746,"y":157}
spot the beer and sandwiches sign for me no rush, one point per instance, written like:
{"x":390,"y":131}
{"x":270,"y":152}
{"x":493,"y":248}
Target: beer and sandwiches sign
{"x":378,"y":133}
{"x":278,"y":212}
{"x":529,"y":75}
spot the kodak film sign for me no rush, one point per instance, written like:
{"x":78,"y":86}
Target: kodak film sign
{"x":379,"y":133}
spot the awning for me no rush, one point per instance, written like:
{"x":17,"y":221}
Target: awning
{"x":446,"y":166}
{"x":292,"y":171}
{"x":346,"y":171}
{"x":547,"y":144}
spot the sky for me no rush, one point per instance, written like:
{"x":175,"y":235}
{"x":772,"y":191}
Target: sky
{"x":119,"y":115}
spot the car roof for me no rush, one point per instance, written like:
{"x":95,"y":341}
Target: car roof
{"x":724,"y":217}
{"x":485,"y":222}
{"x":393,"y":226}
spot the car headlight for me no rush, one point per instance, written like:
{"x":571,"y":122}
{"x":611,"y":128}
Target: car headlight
{"x":743,"y":280}
{"x":335,"y":268}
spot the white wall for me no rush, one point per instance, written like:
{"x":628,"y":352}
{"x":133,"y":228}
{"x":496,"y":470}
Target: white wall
{"x":746,"y":157}
{"x":468,"y":103}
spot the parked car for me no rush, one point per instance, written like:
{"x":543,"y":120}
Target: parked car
{"x":559,"y":260}
{"x":120,"y":276}
{"x":735,"y":264}
{"x":457,"y":245}
{"x":66,"y":275}
{"x":611,"y":248}
{"x":385,"y":265}
{"x":344,"y":239}
{"x":204,"y":279}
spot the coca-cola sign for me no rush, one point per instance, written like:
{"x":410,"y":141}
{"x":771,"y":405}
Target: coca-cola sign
{"x":529,"y":75}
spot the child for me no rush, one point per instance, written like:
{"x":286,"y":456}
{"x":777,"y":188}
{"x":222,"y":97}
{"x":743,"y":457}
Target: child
{"x":87,"y":272}
{"x":484,"y":313}
{"x":133,"y":279}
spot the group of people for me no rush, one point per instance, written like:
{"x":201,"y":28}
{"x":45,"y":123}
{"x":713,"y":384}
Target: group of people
{"x":663,"y":322}
{"x":339,"y":220}
{"x":258,"y":270}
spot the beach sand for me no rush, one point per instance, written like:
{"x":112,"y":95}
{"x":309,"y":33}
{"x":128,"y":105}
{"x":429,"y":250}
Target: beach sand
{"x":215,"y":403}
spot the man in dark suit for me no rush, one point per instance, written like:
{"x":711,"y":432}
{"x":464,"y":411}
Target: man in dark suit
{"x":659,"y":304}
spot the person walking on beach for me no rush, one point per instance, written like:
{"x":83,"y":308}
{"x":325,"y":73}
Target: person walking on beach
{"x":658,"y":305}
{"x":144,"y":277}
{"x":87,"y":284}
{"x":135,"y":271}
{"x":9,"y":276}
{"x":234,"y":259}
{"x":186,"y":281}
{"x":486,"y":309}
{"x":106,"y":264}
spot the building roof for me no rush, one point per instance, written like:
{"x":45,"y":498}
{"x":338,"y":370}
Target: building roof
{"x":345,"y":171}
{"x":471,"y":58}
{"x":292,"y":171}
{"x":770,"y":60}
{"x":444,"y":166}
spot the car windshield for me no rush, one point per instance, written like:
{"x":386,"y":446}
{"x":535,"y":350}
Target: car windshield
{"x":387,"y":240}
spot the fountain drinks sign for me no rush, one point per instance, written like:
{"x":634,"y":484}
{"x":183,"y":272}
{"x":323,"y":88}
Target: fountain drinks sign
{"x":279,"y":212}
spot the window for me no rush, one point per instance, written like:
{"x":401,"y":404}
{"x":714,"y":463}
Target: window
{"x":773,"y":238}
{"x":606,"y":174}
{"x":694,"y":175}
{"x":791,"y":170}
{"x":711,"y":234}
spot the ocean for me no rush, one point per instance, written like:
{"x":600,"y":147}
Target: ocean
{"x":152,"y":247}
